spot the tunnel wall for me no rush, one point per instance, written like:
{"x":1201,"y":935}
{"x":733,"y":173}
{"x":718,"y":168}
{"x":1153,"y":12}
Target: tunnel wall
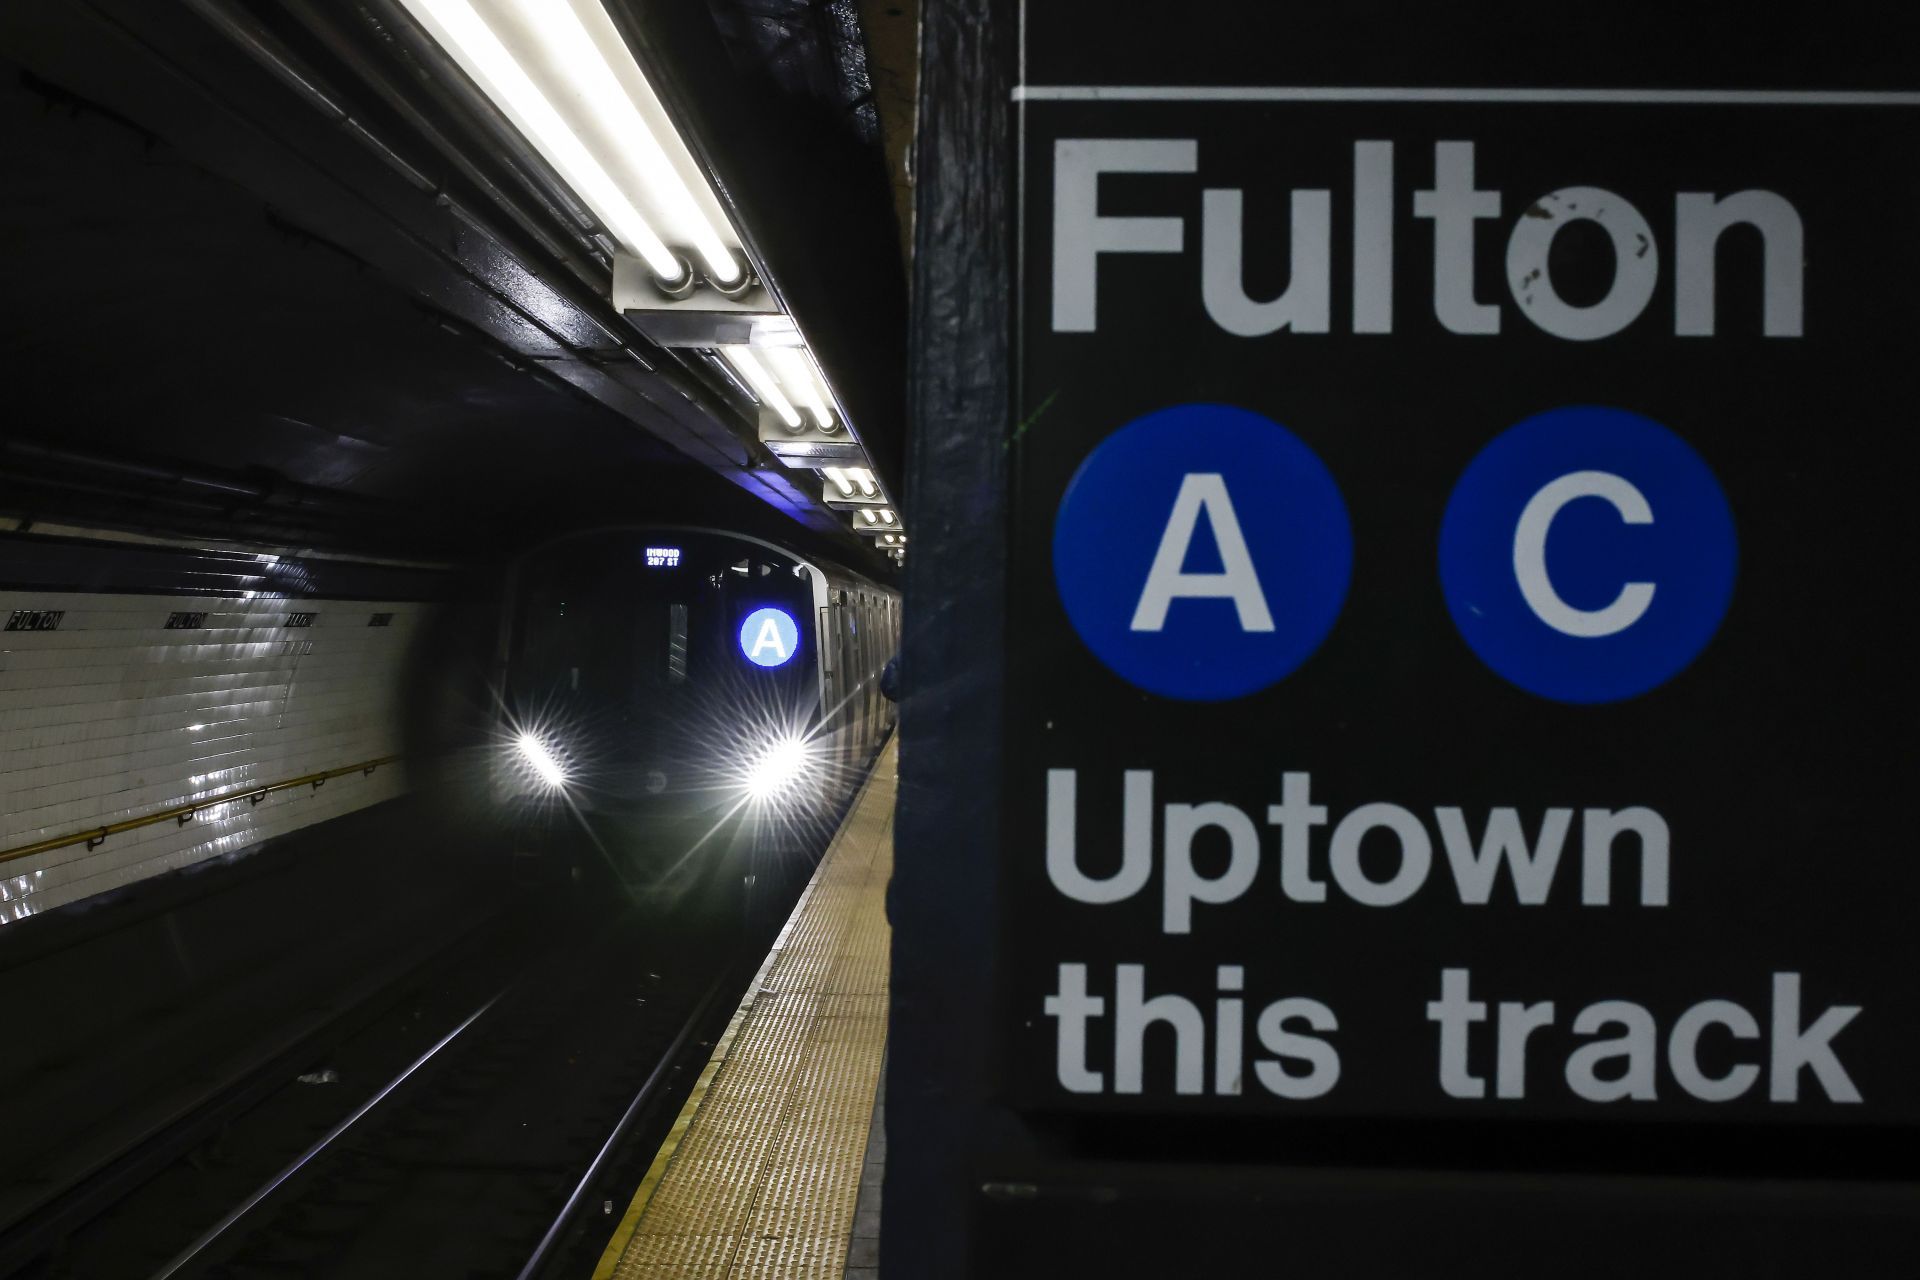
{"x":114,"y":715}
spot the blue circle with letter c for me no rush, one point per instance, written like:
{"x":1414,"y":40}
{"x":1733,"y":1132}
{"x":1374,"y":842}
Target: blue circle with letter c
{"x":769,"y":637}
{"x":1202,"y":552}
{"x":1587,"y":554}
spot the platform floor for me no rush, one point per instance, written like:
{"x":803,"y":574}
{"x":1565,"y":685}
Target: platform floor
{"x":760,"y":1176}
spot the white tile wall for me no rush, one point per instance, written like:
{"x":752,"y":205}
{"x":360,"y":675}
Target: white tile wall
{"x":114,"y":716}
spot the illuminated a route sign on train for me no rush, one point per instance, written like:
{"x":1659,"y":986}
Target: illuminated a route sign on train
{"x":663,"y":557}
{"x":769,"y":637}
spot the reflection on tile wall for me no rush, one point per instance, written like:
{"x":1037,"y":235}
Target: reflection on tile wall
{"x":134,"y":704}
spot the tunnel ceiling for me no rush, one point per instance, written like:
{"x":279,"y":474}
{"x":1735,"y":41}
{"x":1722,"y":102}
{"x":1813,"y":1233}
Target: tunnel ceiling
{"x":326,"y":312}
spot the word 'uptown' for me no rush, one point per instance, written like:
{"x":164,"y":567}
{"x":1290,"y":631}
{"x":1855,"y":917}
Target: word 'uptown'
{"x":1476,"y":863}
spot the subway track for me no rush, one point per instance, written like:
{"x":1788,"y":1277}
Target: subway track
{"x":487,"y":1121}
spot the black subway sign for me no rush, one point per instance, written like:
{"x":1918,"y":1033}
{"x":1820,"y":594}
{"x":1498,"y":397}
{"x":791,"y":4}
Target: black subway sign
{"x":1458,"y":670}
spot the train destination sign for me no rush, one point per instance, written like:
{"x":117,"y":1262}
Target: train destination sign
{"x":1456,"y":559}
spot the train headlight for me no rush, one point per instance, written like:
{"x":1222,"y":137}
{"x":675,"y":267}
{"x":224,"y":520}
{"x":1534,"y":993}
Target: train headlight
{"x":541,"y":760}
{"x":777,"y":769}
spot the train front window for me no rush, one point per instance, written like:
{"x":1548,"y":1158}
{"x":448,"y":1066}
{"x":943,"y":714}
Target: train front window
{"x":602,"y":643}
{"x":663,"y":648}
{"x":560,"y":628}
{"x":676,"y":644}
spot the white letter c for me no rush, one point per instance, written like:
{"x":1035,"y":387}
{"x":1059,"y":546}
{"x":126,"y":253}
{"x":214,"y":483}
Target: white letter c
{"x":1530,"y":555}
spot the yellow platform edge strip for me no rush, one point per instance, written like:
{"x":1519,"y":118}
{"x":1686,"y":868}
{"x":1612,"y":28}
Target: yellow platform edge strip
{"x":630,"y":1220}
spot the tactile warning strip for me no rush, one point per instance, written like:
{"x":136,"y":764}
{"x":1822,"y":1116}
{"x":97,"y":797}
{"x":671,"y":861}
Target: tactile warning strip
{"x":759,"y":1176}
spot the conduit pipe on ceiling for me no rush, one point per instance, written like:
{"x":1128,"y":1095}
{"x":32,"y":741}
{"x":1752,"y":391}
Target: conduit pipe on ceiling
{"x":150,"y":471}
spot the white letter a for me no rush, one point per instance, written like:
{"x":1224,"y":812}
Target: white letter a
{"x":769,"y":638}
{"x":1237,"y":581}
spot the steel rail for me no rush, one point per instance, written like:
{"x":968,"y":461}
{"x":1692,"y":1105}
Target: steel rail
{"x":651,"y":1086}
{"x":184,"y":813}
{"x":211,"y":1234}
{"x":53,"y":1220}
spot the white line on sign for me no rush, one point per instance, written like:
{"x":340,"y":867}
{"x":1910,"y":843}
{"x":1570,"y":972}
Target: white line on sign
{"x":1330,"y":93}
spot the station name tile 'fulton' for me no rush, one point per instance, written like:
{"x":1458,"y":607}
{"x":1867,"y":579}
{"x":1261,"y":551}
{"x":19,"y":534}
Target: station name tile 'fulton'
{"x":1454,"y":205}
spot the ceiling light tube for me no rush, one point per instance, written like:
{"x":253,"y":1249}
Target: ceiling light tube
{"x":869,"y":517}
{"x":887,"y":516}
{"x":748,"y":366}
{"x":796,"y":375}
{"x":840,"y":481}
{"x":561,"y":73}
{"x":864,"y":478}
{"x":589,"y":73}
{"x":481,"y":53}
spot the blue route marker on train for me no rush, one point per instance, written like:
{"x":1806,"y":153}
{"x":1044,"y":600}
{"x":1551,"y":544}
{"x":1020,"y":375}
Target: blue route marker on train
{"x":769,"y":637}
{"x":1202,"y":552}
{"x":1587,"y":554}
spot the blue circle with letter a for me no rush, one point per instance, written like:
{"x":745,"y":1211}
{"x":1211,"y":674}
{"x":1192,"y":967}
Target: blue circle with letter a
{"x":1202,"y":552}
{"x":1587,"y":554}
{"x":769,"y":637}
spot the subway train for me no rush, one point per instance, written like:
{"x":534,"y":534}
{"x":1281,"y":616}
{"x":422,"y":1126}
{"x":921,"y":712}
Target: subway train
{"x":663,"y":693}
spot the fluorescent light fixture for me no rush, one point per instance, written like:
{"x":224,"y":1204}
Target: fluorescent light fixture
{"x":887,"y":516}
{"x":839,"y":479}
{"x":864,"y":478}
{"x":748,"y":366}
{"x":869,"y":517}
{"x":798,"y":378}
{"x":561,"y":73}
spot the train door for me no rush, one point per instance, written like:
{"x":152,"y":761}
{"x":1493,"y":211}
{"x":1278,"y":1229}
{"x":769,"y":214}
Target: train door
{"x":870,"y":638}
{"x":876,"y":658}
{"x":829,"y":670}
{"x":890,"y":627}
{"x":860,"y":636}
{"x":835,"y":638}
{"x":857,"y":684}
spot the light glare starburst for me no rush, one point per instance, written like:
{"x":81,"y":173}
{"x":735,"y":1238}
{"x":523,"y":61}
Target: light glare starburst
{"x":541,"y":760}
